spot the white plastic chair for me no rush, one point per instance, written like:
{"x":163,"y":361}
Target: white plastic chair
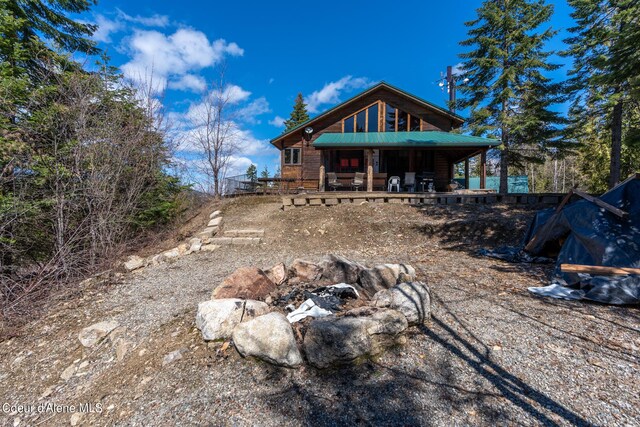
{"x":394,"y":181}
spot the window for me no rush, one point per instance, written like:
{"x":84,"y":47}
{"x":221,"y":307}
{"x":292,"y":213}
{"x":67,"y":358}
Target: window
{"x":347,"y":161}
{"x":401,"y":121}
{"x":390,"y":119}
{"x":291,"y":156}
{"x":414,"y":124}
{"x":363,"y":121}
{"x":348,"y":124}
{"x":373,"y":118}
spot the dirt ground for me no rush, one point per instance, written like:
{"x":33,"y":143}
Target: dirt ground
{"x":492,"y":354}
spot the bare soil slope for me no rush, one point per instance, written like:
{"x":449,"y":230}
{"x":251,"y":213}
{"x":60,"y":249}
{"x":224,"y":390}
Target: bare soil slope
{"x":493,"y":353}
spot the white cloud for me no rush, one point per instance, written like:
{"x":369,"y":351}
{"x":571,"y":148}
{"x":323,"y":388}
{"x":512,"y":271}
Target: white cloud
{"x":255,"y":108}
{"x":189,"y":82}
{"x":106,"y":27}
{"x":330,"y":93}
{"x":170,"y":57}
{"x":154,"y":20}
{"x":234,"y":94}
{"x":277,"y":122}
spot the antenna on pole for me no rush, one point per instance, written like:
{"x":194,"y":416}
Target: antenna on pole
{"x":451,"y":88}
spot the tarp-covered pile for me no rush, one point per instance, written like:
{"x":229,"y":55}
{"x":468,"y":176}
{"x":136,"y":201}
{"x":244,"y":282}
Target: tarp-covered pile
{"x":585,"y":233}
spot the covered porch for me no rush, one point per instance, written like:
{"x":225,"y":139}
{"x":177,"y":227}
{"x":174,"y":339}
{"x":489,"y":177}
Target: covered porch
{"x":421,"y":160}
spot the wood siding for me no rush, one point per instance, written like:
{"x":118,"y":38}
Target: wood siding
{"x":307,"y":174}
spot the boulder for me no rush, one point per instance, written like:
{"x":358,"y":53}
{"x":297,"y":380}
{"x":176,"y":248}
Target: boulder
{"x":305,"y":271}
{"x":216,"y":319}
{"x":385,"y":276}
{"x":215,"y":214}
{"x":134,"y":262}
{"x":215,"y":222}
{"x":269,"y":338}
{"x":245,"y":283}
{"x":157,"y":259}
{"x":411,"y":299}
{"x":93,"y":334}
{"x":172,"y":253}
{"x":208,"y":232}
{"x":277,"y":274}
{"x":337,"y":269}
{"x":195,"y":244}
{"x":361,"y":333}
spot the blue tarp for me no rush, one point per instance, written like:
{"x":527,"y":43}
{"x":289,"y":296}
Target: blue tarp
{"x":584,"y":233}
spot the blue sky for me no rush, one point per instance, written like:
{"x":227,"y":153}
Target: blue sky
{"x":326,"y":50}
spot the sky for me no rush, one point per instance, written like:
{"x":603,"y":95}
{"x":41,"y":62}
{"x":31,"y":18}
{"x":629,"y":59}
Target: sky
{"x":328,"y":51}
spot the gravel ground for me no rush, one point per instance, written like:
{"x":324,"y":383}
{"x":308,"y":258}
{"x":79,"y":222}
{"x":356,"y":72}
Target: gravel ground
{"x":492,"y":354}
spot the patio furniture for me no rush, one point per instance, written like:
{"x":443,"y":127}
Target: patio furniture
{"x":358,"y":180}
{"x":332,"y":181}
{"x":394,"y":181}
{"x":410,"y":181}
{"x":427,"y":182}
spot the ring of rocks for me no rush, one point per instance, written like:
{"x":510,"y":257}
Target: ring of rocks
{"x":326,"y":314}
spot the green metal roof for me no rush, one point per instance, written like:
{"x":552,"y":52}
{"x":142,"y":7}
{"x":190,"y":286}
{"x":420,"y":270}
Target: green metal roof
{"x":402,"y":139}
{"x":371,"y":89}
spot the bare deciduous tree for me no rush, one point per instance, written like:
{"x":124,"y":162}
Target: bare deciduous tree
{"x":215,"y":132}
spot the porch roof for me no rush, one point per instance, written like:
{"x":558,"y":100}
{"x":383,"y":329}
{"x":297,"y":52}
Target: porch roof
{"x":422,"y":139}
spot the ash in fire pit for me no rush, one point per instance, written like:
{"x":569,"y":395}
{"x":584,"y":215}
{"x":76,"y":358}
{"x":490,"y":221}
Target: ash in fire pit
{"x":336,"y":311}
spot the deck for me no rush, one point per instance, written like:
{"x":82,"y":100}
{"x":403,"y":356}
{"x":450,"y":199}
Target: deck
{"x":331,"y":198}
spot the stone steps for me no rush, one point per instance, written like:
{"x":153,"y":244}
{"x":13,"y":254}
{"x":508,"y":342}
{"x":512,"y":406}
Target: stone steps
{"x":235,"y":240}
{"x":244,"y":233}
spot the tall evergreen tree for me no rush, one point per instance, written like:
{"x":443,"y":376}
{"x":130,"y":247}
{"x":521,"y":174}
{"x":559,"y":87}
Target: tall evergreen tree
{"x":27,"y":25}
{"x":505,"y":84}
{"x":299,"y":114}
{"x":606,"y":72}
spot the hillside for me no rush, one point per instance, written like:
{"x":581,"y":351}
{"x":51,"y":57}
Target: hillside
{"x":491,"y":354}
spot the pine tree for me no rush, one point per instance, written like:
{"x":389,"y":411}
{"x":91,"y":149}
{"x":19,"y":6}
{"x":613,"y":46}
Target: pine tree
{"x":504,"y":82}
{"x":299,"y":114}
{"x":252,"y":173}
{"x":27,"y":25}
{"x":264,"y":173}
{"x":606,"y":72}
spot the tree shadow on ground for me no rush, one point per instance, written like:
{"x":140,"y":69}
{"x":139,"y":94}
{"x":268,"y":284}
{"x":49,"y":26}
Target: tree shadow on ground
{"x":352,"y":395}
{"x":392,"y":391}
{"x":468,"y":228}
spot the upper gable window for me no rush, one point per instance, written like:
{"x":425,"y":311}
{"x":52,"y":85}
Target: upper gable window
{"x":397,"y":120}
{"x":365,"y":120}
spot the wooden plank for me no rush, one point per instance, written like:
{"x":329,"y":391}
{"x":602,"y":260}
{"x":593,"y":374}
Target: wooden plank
{"x":565,"y":200}
{"x":483,"y":169}
{"x":598,"y":270}
{"x":602,"y":204}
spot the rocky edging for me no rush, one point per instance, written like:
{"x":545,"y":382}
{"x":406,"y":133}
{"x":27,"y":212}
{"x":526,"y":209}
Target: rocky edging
{"x":243,"y":309}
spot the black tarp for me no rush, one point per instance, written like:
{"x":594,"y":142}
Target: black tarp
{"x":585,"y":233}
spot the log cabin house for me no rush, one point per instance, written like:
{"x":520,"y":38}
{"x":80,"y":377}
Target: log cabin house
{"x":383,"y":132}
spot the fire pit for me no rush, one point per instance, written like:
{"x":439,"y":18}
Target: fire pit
{"x":331,"y":313}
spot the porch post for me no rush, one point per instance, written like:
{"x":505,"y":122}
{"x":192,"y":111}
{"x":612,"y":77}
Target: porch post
{"x":466,"y":173}
{"x":321,"y":181}
{"x":483,"y":170}
{"x":369,"y":170}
